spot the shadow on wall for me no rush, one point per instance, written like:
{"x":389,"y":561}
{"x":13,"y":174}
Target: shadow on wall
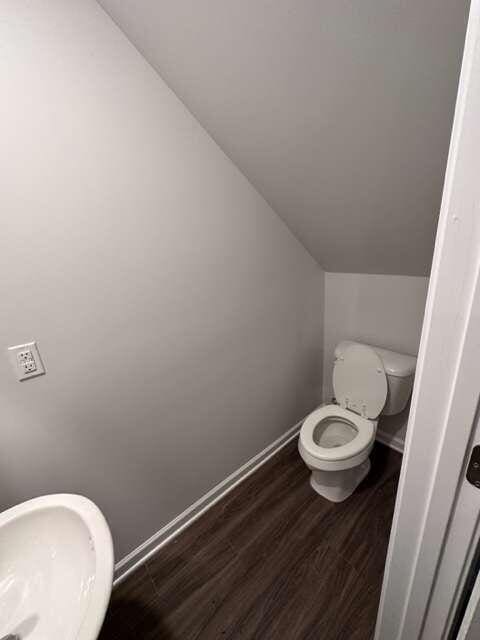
{"x":393,"y":429}
{"x":380,"y":310}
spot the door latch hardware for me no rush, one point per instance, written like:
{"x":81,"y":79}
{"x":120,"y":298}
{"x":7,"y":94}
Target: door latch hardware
{"x":473,"y":469}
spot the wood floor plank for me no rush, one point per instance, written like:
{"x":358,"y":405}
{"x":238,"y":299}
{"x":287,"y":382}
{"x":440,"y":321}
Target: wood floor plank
{"x":272,"y":560}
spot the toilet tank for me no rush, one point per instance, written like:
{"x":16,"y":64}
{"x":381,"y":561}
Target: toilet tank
{"x":400,"y":372}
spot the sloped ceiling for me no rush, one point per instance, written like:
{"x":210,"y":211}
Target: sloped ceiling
{"x":338,"y":111}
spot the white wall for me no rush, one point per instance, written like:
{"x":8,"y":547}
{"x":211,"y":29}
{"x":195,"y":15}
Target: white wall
{"x":382,"y":310}
{"x":338,"y":111}
{"x":179,"y":320}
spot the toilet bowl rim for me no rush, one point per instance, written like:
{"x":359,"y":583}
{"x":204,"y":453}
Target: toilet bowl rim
{"x":365,"y":433}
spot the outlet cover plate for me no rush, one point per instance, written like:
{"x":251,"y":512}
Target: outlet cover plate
{"x":26,"y":361}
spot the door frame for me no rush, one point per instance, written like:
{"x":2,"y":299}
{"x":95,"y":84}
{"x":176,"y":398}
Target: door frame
{"x":446,"y":389}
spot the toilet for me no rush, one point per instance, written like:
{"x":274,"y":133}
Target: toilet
{"x":336,"y":439}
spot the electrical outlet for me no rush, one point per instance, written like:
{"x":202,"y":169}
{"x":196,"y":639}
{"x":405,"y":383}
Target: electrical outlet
{"x":25,"y":356}
{"x":26,"y":361}
{"x":29,"y":367}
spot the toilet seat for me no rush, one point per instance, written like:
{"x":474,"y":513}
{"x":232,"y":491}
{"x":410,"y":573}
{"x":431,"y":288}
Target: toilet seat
{"x":361,"y":441}
{"x":359,"y":381}
{"x":335,"y":440}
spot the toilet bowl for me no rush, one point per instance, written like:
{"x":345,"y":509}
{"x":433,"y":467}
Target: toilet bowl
{"x":335,"y":444}
{"x":336,"y":439}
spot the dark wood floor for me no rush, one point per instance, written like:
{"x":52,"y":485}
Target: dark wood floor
{"x":272,"y":560}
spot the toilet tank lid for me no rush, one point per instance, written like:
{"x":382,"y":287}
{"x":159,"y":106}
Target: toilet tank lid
{"x":399,"y":365}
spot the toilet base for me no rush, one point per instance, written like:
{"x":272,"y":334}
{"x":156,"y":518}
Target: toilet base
{"x":337,"y":486}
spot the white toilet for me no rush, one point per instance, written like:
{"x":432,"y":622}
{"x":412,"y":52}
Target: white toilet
{"x":336,"y":439}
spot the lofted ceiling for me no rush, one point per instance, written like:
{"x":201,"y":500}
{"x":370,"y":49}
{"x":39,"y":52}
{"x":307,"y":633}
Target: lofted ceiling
{"x":338,"y":111}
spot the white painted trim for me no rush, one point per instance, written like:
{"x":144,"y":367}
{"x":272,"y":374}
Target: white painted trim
{"x":394,"y":442}
{"x":470,"y":627}
{"x":147,"y":549}
{"x":445,"y":392}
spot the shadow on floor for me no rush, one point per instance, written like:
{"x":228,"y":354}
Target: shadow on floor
{"x":272,"y":560}
{"x":135,"y":620}
{"x":381,"y":459}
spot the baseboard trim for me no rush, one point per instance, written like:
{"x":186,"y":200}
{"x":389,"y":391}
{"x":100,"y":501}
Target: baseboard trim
{"x":147,"y":549}
{"x":388,"y":440}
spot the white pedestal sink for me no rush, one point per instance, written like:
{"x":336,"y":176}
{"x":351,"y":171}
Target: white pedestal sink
{"x":56,"y":569}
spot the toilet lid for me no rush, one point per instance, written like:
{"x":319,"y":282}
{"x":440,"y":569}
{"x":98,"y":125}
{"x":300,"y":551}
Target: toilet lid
{"x":360,"y":382}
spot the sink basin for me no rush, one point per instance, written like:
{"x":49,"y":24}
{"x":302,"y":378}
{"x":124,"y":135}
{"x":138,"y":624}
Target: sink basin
{"x":56,"y":569}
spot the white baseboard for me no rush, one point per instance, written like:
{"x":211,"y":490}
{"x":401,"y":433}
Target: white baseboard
{"x":387,"y":439}
{"x":147,"y":549}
